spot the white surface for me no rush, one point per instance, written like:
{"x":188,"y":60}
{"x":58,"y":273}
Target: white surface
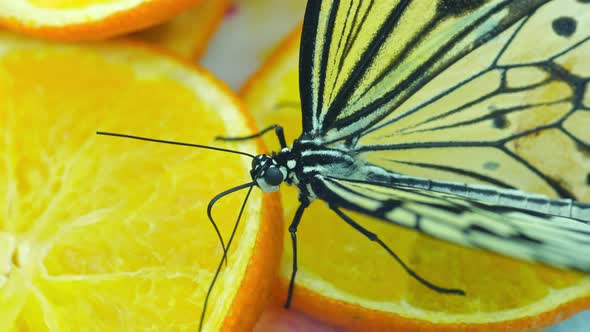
{"x":247,"y":36}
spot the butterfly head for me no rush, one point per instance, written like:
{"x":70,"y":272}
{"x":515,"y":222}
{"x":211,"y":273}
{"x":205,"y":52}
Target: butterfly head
{"x":267,"y":173}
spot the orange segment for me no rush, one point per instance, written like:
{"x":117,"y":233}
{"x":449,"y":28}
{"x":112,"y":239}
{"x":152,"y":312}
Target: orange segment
{"x":346,"y":280}
{"x":188,"y":33}
{"x":101,"y":233}
{"x":86,"y":19}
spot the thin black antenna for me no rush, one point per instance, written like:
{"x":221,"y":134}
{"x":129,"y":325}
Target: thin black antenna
{"x":212,"y":203}
{"x":229,"y":242}
{"x":173,"y":143}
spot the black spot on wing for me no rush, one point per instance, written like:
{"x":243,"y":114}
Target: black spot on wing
{"x":564,"y":26}
{"x":584,"y":1}
{"x":458,"y":7}
{"x":588,"y":179}
{"x":500,"y":121}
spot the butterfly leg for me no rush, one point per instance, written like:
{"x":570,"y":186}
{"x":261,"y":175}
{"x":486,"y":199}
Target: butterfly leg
{"x":278,"y":131}
{"x":293,"y":230}
{"x":373,"y":237}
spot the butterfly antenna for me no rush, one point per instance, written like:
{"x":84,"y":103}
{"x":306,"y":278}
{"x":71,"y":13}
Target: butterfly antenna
{"x":373,"y":237}
{"x":229,"y":242}
{"x":212,"y":203}
{"x":191,"y":145}
{"x":277,"y":129}
{"x":173,"y":143}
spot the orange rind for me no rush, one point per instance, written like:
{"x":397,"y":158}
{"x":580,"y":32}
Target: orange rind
{"x":81,"y":20}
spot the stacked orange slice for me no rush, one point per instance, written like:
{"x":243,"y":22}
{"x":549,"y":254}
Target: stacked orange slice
{"x":86,"y":19}
{"x":188,"y":34}
{"x":102,"y":233}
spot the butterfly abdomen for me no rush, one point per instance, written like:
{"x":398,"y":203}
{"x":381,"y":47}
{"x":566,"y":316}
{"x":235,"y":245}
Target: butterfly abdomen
{"x":490,"y":195}
{"x":307,"y":159}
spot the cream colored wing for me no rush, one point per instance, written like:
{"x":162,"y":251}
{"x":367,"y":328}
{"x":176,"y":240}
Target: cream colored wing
{"x":514,"y":113}
{"x":557,"y":241}
{"x":361,"y":59}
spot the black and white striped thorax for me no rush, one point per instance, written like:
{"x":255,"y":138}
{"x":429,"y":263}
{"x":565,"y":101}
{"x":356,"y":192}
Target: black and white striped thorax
{"x":300,"y":163}
{"x":307,"y":162}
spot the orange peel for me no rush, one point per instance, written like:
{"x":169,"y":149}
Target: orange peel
{"x":86,"y":19}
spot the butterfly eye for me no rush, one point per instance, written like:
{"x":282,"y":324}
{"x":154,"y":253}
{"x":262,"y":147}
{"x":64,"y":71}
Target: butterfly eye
{"x":273,"y":176}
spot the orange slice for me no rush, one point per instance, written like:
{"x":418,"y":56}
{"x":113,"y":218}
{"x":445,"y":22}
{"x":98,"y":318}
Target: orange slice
{"x":346,"y":280}
{"x":188,"y":33}
{"x":101,"y":233}
{"x":75,"y":20}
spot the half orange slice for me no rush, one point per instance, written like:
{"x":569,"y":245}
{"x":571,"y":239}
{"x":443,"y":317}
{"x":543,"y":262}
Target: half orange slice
{"x":75,"y":20}
{"x":102,"y":233}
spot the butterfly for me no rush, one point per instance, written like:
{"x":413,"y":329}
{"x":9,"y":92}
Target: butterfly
{"x":393,"y":90}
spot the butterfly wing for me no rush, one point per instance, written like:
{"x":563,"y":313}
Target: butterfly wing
{"x":513,"y":113}
{"x":360,"y":60}
{"x":482,"y":92}
{"x":521,"y":234}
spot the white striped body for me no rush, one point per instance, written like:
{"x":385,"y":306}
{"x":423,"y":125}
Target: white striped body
{"x":501,"y":197}
{"x":306,"y":159}
{"x":511,"y":222}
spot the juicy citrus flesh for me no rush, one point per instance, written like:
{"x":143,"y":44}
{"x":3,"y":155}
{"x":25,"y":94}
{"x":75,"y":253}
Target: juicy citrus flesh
{"x":362,"y":287}
{"x":106,"y":234}
{"x":188,"y":33}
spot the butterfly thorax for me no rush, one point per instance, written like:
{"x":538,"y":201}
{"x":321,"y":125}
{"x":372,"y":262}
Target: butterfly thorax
{"x":300,"y":163}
